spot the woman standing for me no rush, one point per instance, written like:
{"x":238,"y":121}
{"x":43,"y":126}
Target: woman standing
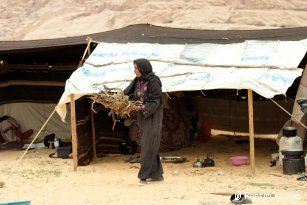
{"x":146,"y":87}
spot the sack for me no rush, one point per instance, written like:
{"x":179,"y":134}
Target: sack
{"x":64,"y":151}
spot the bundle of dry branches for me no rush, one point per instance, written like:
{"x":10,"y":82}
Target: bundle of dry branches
{"x":115,"y":100}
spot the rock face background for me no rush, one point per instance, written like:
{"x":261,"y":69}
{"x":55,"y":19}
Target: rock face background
{"x":45,"y":19}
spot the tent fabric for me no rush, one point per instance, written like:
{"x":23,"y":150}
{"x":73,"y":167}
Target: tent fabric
{"x":33,"y":115}
{"x":297,"y":113}
{"x":157,"y":34}
{"x":106,"y":140}
{"x":267,"y":67}
{"x":301,"y":93}
{"x":230,"y":116}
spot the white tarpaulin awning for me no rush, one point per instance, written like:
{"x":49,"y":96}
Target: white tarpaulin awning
{"x":266,"y":67}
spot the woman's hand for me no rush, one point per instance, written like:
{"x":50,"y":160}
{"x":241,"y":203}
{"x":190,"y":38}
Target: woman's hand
{"x":134,"y":108}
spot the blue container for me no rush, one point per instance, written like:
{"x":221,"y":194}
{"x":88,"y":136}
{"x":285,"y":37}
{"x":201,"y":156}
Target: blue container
{"x":17,"y":203}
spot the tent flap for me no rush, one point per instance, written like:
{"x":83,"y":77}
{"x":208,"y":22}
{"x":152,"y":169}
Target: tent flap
{"x":266,"y":67}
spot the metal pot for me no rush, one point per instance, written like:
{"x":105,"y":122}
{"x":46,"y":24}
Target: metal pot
{"x":197,"y":163}
{"x":208,"y":162}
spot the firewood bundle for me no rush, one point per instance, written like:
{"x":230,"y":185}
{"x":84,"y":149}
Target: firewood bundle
{"x":116,"y":101}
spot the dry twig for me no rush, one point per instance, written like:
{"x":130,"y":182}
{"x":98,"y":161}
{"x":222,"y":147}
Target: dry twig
{"x":115,"y":100}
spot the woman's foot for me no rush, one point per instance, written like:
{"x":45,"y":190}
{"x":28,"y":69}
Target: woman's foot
{"x":154,"y":179}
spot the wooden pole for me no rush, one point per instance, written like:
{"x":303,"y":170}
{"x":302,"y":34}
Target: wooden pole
{"x":94,"y":134}
{"x":251,"y":129}
{"x":36,"y":135}
{"x":74,"y":132}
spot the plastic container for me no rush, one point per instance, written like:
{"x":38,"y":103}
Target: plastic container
{"x":204,"y":133}
{"x":303,"y":103}
{"x":304,"y":108}
{"x":56,"y":142}
{"x":17,"y":203}
{"x":293,"y":162}
{"x":289,"y":141}
{"x":238,"y":160}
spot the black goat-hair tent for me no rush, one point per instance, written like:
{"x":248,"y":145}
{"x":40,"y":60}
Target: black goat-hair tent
{"x":41,"y":66}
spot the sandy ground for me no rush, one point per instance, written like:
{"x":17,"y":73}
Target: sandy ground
{"x":110,"y":180}
{"x":44,"y":19}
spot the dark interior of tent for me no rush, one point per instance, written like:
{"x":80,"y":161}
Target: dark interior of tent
{"x":36,"y":72}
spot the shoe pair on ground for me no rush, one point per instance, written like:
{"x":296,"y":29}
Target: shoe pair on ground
{"x":145,"y":181}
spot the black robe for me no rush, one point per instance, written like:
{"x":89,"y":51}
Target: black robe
{"x":150,"y":126}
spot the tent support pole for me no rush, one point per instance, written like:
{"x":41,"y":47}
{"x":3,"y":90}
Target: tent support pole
{"x":74,"y":132}
{"x":36,"y":135}
{"x":93,"y":134}
{"x":251,"y":129}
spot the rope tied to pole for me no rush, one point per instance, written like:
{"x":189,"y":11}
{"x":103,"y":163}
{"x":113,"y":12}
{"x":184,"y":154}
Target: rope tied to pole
{"x":298,"y":121}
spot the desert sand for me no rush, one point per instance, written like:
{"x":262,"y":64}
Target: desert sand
{"x":45,"y":19}
{"x":110,"y":180}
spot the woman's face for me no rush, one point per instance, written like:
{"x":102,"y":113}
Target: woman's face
{"x":136,"y":71}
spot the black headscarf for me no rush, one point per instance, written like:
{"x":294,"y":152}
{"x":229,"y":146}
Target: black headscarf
{"x":144,"y":66}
